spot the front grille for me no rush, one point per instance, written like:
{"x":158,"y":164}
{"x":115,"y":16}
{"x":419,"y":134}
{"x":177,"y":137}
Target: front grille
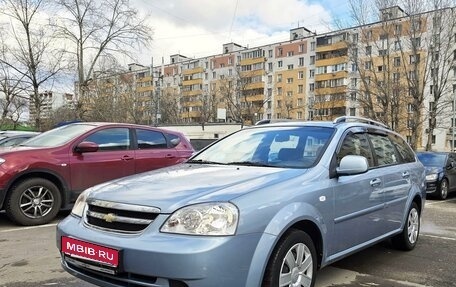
{"x":119,"y":217}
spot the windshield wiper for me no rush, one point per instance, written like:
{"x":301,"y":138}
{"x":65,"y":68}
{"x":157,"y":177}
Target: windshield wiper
{"x":250,"y":163}
{"x":201,"y":161}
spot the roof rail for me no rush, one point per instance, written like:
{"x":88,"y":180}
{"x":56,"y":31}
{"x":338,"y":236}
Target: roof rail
{"x":345,"y":119}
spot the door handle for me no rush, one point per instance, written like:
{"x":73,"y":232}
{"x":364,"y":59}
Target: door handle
{"x":375,"y":182}
{"x":170,"y":155}
{"x":127,"y":157}
{"x":405,"y":174}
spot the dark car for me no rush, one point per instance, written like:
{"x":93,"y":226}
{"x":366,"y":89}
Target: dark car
{"x":46,"y":173}
{"x":440,"y":172}
{"x":11,"y":138}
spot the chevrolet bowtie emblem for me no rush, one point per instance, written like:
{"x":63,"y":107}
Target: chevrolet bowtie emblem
{"x":110,"y":217}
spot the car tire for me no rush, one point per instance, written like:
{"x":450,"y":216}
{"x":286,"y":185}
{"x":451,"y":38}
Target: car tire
{"x":442,"y":191}
{"x":293,"y":260}
{"x":407,"y":239}
{"x":33,"y":201}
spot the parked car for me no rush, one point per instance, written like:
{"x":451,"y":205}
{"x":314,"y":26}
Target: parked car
{"x":46,"y":173}
{"x":11,"y":138}
{"x":264,"y":206}
{"x":440,"y":172}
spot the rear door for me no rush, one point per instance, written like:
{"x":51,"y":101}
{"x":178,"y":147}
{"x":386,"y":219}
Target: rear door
{"x":114,"y":158}
{"x":397,"y":175}
{"x":153,"y":151}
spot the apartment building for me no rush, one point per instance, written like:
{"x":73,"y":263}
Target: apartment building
{"x":385,"y":70}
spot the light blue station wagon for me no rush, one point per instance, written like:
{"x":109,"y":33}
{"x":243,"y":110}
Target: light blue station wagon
{"x":265,"y":206}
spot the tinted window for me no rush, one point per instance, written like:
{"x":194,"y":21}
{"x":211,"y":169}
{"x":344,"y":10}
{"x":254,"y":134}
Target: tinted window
{"x":150,"y":139}
{"x":111,"y":139}
{"x":404,"y":149}
{"x":432,"y":159}
{"x":384,"y":151}
{"x":355,"y":144}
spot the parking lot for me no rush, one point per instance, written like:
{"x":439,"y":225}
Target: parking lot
{"x":29,"y":257}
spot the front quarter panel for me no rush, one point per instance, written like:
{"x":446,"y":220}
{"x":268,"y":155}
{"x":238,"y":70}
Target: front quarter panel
{"x":278,"y":225}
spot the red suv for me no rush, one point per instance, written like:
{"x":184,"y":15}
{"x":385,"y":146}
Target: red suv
{"x":46,"y":173}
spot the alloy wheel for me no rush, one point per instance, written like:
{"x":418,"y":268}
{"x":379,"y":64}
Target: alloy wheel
{"x":297,"y":267}
{"x":36,"y":202}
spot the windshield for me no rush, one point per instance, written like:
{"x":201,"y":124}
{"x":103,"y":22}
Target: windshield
{"x":58,"y":136}
{"x":432,"y":159}
{"x":297,"y":147}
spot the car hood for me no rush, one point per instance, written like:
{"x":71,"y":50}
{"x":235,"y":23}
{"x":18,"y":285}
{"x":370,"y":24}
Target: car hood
{"x":171,"y":188}
{"x":433,"y":169}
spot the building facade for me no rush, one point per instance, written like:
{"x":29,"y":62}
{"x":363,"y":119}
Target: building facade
{"x":387,"y":71}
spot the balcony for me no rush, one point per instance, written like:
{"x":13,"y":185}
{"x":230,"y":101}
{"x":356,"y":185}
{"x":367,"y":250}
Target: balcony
{"x":330,"y":90}
{"x":331,"y":61}
{"x":193,"y":71}
{"x":332,"y":47}
{"x":331,"y":76}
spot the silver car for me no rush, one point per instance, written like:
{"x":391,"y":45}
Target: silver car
{"x":265,"y":206}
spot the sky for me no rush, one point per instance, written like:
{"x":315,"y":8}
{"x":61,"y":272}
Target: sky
{"x":199,"y":28}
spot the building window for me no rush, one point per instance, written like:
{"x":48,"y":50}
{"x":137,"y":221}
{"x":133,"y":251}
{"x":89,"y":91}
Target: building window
{"x":352,"y":112}
{"x":280,"y":64}
{"x":301,"y":75}
{"x":311,"y":73}
{"x":368,"y":50}
{"x":289,"y":80}
{"x":301,"y":62}
{"x":414,"y":58}
{"x":290,"y":54}
{"x":289,"y":93}
{"x":279,"y":78}
{"x":270,"y":54}
{"x":312,"y":60}
{"x":299,"y":115}
{"x":301,"y":48}
{"x":397,"y":61}
{"x":280,"y":52}
{"x":312,"y":46}
{"x":270,"y":66}
{"x":279,"y":91}
{"x":290,"y":67}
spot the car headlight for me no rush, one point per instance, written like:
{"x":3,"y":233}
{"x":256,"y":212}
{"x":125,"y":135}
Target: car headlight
{"x":218,"y":218}
{"x":432,"y":176}
{"x":80,"y":203}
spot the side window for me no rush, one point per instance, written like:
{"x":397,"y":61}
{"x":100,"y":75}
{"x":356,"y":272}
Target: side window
{"x":404,"y":149}
{"x":355,"y":144}
{"x":111,"y":139}
{"x":384,"y":150}
{"x":150,"y":139}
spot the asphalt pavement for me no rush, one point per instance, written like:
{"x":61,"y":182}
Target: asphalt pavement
{"x":29,"y":257}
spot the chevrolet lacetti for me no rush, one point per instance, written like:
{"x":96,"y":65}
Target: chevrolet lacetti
{"x":265,"y":206}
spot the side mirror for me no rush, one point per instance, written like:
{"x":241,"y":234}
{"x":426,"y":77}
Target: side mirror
{"x":175,"y":142}
{"x":86,"y":147}
{"x":352,"y":164}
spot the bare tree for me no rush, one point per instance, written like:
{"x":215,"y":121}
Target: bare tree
{"x":440,"y":57}
{"x":243,"y":101}
{"x":99,"y":29}
{"x":14,"y":99}
{"x":31,"y":54}
{"x":392,"y":66}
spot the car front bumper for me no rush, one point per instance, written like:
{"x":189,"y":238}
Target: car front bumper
{"x":167,"y":260}
{"x":432,"y":186}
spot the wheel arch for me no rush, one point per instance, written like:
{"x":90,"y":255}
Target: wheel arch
{"x":305,"y":218}
{"x":45,"y":174}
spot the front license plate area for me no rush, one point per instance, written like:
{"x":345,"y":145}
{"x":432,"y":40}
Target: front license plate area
{"x":89,"y":255}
